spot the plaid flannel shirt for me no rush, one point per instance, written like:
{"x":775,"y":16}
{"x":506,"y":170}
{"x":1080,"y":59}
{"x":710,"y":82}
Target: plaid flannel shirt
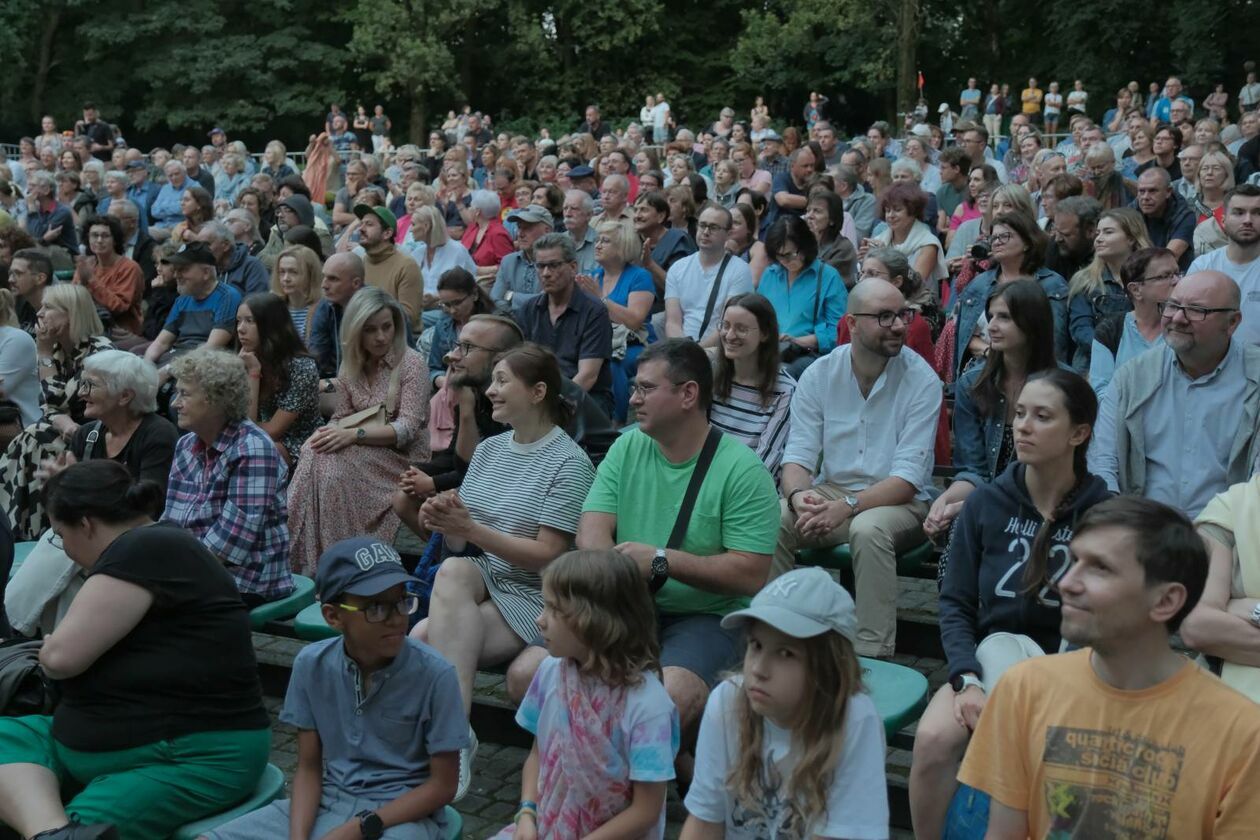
{"x":231,"y":495}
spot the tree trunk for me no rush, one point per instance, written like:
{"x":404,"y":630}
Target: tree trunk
{"x":44,"y":64}
{"x":907,"y":73}
{"x":416,"y":131}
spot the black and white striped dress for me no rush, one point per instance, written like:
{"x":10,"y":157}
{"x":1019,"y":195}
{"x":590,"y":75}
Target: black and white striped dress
{"x":515,"y":489}
{"x":763,"y":427}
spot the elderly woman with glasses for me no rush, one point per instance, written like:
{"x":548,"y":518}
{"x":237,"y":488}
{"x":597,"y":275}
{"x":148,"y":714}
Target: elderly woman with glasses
{"x":67,"y":332}
{"x":485,"y":238}
{"x":114,"y":280}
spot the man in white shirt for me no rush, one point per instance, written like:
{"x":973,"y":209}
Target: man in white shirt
{"x":1240,"y":259}
{"x":698,"y":285}
{"x":873,"y":455}
{"x":1249,"y":94}
{"x":660,"y":120}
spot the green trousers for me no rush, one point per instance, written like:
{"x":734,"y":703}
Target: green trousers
{"x":146,"y":792}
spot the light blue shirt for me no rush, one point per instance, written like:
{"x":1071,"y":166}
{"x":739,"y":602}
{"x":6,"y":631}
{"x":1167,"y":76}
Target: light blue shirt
{"x":794,"y":304}
{"x":1188,"y":429}
{"x":1102,"y":365}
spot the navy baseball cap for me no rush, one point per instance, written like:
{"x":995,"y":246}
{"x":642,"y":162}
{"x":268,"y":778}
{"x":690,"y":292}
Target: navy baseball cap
{"x":358,"y":566}
{"x":581,"y":172}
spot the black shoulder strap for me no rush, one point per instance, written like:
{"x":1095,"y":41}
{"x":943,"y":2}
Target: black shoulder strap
{"x":679,"y":533}
{"x":93,"y":435}
{"x":713,"y":293}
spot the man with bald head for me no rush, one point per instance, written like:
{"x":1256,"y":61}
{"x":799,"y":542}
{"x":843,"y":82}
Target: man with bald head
{"x":343,"y":276}
{"x":1169,"y":219}
{"x":1179,"y":423}
{"x":881,"y":403}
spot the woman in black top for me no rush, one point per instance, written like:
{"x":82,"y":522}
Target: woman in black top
{"x":161,"y":719}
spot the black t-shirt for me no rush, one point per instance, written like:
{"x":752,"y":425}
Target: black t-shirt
{"x":187,"y":667}
{"x":99,"y":133}
{"x":148,"y":454}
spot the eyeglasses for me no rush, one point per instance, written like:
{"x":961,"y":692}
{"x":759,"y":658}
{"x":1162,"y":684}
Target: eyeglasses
{"x":1000,"y":238}
{"x":376,"y":612}
{"x":87,"y":386}
{"x":740,"y":330}
{"x":643,"y":391}
{"x":706,"y":227}
{"x":787,"y":256}
{"x":99,"y":235}
{"x":1167,"y":309}
{"x":887,"y":317}
{"x":465,"y":348}
{"x":450,"y":305}
{"x":1166,"y":277}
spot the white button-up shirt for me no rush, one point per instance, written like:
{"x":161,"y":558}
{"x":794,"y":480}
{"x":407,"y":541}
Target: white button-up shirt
{"x":864,"y":440}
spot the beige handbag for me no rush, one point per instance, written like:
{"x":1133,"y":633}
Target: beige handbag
{"x":379,"y":414}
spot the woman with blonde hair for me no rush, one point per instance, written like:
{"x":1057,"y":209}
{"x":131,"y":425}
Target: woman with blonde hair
{"x":67,"y":331}
{"x":1096,"y":291}
{"x":19,"y":406}
{"x":418,"y":195}
{"x":1216,"y":177}
{"x":274,"y":161}
{"x":348,"y":470}
{"x":432,"y":247}
{"x":453,"y":194}
{"x":296,"y":280}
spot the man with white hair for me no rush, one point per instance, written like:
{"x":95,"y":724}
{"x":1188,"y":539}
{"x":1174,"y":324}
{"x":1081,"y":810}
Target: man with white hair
{"x":579,"y":207}
{"x":48,"y":221}
{"x":235,"y":265}
{"x":613,"y":196}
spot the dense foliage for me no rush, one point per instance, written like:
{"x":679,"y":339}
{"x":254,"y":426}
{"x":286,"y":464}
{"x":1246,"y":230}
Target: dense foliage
{"x":161,"y":68}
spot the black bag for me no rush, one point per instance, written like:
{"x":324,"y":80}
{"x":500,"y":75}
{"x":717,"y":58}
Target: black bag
{"x":24,"y":687}
{"x":790,"y":351}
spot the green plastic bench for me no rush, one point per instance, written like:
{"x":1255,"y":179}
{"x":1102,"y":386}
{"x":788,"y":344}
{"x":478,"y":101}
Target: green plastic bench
{"x":21,"y":551}
{"x":268,"y":790}
{"x":900,"y":693}
{"x":917,"y":562}
{"x":303,"y":595}
{"x":310,"y":625}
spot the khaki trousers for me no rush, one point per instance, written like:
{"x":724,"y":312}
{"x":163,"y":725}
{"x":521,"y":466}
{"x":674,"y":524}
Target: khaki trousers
{"x":875,"y":538}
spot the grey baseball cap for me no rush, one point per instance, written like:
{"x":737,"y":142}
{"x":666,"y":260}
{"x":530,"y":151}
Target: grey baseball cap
{"x":533,"y":214}
{"x":358,"y":566}
{"x":802,"y":603}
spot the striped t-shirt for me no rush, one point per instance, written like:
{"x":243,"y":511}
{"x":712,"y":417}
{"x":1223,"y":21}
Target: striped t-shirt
{"x":516,"y":488}
{"x":763,"y":427}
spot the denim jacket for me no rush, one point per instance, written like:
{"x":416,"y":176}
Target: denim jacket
{"x":1084,"y":311}
{"x":971,"y":305}
{"x":977,"y":437}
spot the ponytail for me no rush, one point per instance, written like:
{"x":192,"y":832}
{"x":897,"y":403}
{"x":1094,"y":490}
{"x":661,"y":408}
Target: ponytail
{"x":103,"y":490}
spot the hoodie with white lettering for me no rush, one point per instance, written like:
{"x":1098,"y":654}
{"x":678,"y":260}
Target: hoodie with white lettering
{"x":983,"y":589}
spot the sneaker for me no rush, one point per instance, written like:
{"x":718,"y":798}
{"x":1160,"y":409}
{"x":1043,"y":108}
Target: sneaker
{"x":466,"y":756}
{"x":75,"y":830}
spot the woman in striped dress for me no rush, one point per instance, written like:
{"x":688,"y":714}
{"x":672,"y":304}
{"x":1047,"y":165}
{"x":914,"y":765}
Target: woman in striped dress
{"x":751,"y":390}
{"x":516,"y":511}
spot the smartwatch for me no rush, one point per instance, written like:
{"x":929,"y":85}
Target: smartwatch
{"x":370,"y":825}
{"x":660,"y":571}
{"x":962,"y":682}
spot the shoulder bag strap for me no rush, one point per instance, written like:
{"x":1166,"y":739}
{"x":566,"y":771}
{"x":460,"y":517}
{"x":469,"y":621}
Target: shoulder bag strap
{"x":679,"y":533}
{"x":93,"y":435}
{"x":713,"y":293}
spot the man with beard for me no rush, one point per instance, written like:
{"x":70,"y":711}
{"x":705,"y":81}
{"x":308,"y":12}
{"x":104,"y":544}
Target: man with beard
{"x":867,"y":412}
{"x":1123,"y":737}
{"x":386,"y":267}
{"x":1240,"y":259}
{"x":1072,"y":238}
{"x":1179,"y":423}
{"x":471,"y":361}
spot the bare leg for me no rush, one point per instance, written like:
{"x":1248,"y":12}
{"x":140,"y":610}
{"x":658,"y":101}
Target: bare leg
{"x":30,"y":799}
{"x":521,"y":672}
{"x":689,"y":694}
{"x":408,"y":510}
{"x":939,"y":744}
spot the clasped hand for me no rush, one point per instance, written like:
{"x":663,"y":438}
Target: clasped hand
{"x":446,"y":513}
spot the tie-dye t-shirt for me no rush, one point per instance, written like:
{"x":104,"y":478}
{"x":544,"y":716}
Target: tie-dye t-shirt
{"x":594,"y":741}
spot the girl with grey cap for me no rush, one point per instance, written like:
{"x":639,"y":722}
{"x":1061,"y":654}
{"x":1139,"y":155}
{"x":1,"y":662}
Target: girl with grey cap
{"x":792,"y":746}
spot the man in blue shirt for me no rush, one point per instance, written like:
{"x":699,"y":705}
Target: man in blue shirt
{"x":142,"y":191}
{"x":48,"y":221}
{"x":379,"y":716}
{"x":1162,"y":112}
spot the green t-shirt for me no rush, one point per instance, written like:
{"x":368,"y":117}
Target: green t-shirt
{"x":737,"y":509}
{"x":948,"y":197}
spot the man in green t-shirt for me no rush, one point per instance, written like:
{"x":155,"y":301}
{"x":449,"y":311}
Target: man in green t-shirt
{"x":633,"y":505}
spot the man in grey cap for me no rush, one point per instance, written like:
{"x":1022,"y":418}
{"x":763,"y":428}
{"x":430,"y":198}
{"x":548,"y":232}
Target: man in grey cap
{"x":772,"y":159}
{"x":517,"y":280}
{"x":369,"y":766}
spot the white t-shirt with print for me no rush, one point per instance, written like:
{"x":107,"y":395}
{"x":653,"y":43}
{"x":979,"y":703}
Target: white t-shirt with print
{"x":857,"y":801}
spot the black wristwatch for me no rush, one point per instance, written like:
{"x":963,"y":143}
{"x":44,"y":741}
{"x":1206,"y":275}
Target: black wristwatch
{"x":660,"y":571}
{"x":370,"y":825}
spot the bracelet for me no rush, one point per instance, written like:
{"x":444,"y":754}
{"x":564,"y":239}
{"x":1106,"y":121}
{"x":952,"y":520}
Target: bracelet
{"x":527,"y":807}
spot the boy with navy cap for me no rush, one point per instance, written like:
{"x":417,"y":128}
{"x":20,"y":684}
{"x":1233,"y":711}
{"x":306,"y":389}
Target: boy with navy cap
{"x":379,"y":716}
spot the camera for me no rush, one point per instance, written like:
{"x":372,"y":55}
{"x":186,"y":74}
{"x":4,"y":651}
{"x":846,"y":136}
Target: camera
{"x":980,"y":250}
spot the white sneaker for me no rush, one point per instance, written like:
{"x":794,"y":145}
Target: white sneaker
{"x":466,"y":757}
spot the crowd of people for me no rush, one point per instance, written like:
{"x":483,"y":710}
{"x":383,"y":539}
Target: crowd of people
{"x":219,"y":372}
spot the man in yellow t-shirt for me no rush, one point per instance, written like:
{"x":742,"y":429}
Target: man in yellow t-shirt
{"x":1031,"y":97}
{"x":1124,"y":739}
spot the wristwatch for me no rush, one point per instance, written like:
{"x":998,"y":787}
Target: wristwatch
{"x":962,"y":682}
{"x":47,"y":361}
{"x":360,"y":435}
{"x":370,"y":825}
{"x":660,"y":570}
{"x":852,"y":501}
{"x":1255,"y":615}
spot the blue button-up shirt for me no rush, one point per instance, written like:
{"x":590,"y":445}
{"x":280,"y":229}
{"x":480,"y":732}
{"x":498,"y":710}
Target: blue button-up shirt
{"x":376,"y":742}
{"x":795,"y":305}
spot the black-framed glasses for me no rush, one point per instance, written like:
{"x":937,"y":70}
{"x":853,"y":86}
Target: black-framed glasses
{"x":1166,"y":277}
{"x":466,"y":347}
{"x":888,"y":316}
{"x":1168,"y":308}
{"x":451,"y":305}
{"x":87,"y":386}
{"x":1000,"y":238}
{"x":377,"y":612}
{"x":787,"y":256}
{"x":707,"y":227}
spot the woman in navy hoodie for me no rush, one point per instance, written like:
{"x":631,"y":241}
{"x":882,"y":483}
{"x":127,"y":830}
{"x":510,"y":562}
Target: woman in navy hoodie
{"x":998,"y":601}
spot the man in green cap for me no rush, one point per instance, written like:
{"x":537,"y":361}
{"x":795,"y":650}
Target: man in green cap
{"x":385,"y":267}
